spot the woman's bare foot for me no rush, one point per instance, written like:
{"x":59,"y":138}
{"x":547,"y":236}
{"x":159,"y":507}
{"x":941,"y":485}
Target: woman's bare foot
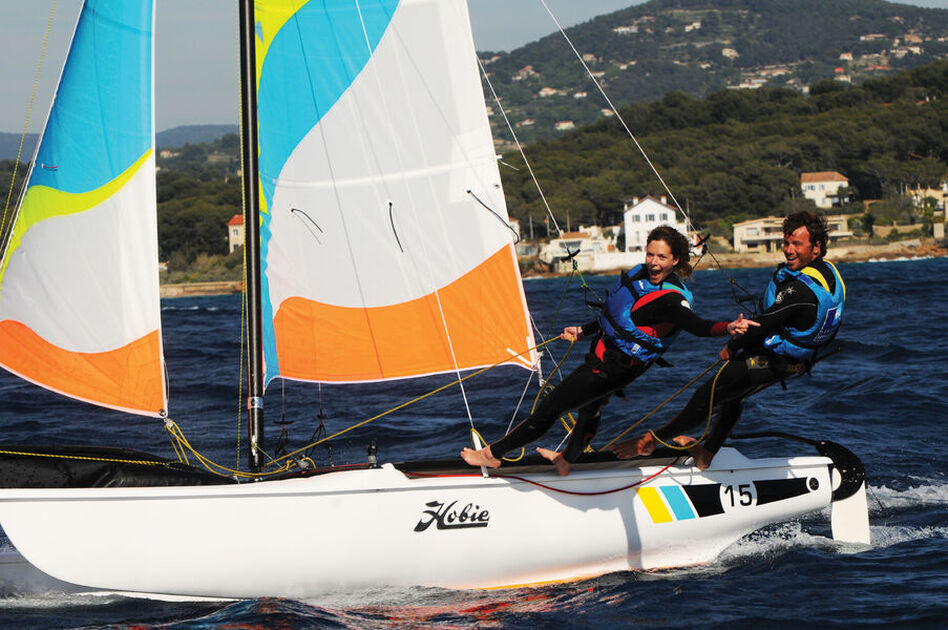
{"x":562,"y":466}
{"x":642,"y":445}
{"x":700,"y":454}
{"x":480,"y":457}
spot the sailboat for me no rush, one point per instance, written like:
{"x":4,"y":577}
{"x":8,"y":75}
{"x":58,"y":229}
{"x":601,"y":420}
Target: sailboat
{"x":378,"y":248}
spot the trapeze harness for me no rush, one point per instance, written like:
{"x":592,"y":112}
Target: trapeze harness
{"x":633,"y":291}
{"x":799,"y":344}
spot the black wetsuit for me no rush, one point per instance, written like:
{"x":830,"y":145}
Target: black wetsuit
{"x":606,"y":370}
{"x":751,"y":365}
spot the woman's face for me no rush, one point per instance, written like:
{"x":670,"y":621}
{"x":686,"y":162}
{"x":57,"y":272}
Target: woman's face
{"x":659,"y":261}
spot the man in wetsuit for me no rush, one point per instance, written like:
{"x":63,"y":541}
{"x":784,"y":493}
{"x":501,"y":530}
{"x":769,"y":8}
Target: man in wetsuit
{"x":802,"y":310}
{"x":641,"y":316}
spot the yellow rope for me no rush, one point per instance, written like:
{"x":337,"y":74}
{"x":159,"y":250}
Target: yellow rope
{"x":175,"y":432}
{"x":667,"y":400}
{"x":707,"y":426}
{"x":411,"y":402}
{"x":85,"y":458}
{"x":26,"y":124}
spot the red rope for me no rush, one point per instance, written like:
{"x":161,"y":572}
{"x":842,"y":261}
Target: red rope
{"x":546,"y":487}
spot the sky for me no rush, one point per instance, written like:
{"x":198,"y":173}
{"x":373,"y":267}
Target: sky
{"x":196,"y":50}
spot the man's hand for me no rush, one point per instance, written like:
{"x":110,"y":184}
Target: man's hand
{"x":725,"y":354}
{"x":572,"y":333}
{"x":740,"y":325}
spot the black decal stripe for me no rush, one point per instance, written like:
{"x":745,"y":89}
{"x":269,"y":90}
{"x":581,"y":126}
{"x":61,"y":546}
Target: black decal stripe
{"x":706,"y":498}
{"x":772,"y":490}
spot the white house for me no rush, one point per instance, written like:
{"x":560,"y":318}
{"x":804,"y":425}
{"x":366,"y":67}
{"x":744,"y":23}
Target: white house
{"x":644,"y":215}
{"x":235,"y":232}
{"x":823,"y":188}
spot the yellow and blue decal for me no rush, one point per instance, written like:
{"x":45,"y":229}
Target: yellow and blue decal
{"x":673,"y":503}
{"x":666,"y":503}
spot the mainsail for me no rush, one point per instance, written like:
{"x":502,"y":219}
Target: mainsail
{"x":385,"y":246}
{"x":79,"y":306}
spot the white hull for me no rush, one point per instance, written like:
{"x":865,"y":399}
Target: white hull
{"x":358,"y":528}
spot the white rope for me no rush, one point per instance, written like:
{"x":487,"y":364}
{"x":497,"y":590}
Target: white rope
{"x":615,"y":111}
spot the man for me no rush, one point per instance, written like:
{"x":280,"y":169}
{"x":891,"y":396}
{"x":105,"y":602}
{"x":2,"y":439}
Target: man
{"x":802,"y":310}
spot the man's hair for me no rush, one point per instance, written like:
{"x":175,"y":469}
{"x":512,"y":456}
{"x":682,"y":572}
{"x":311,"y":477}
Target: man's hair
{"x":814,"y":224}
{"x":678,"y":244}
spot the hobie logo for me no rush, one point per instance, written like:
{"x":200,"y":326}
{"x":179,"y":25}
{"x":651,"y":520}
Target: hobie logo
{"x":449,"y":516}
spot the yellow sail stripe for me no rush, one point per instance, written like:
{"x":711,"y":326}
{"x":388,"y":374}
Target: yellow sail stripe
{"x":270,"y":16}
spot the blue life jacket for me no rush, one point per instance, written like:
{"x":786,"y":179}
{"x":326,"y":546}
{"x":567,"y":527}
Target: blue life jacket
{"x":632,"y":291}
{"x":802,"y":344}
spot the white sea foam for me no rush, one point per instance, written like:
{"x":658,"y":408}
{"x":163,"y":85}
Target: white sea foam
{"x":899,"y":259}
{"x":929,"y":492}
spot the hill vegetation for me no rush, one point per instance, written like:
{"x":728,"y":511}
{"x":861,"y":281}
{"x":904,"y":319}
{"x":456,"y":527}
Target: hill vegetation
{"x":702,"y":46}
{"x":738,"y":154}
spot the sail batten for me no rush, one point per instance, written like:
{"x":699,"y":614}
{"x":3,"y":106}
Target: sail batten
{"x":378,"y":261}
{"x":79,"y":306}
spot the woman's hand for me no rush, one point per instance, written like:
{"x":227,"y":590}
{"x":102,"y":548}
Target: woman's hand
{"x":574,"y":333}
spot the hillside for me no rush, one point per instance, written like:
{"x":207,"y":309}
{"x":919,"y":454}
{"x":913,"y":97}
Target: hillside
{"x":702,"y":46}
{"x":738,"y":154}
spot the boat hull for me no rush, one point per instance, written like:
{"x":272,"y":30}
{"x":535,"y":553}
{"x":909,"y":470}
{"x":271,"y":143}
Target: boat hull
{"x":381,"y":526}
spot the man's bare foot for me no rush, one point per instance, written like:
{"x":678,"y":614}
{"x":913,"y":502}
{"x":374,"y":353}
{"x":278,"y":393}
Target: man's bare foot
{"x":642,"y":445}
{"x":480,"y":457}
{"x":700,"y":454}
{"x":562,"y":466}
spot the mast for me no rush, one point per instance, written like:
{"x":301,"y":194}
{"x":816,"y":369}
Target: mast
{"x":251,"y":196}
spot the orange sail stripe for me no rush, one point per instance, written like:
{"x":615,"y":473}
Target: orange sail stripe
{"x":127,"y":378}
{"x":484,"y":311}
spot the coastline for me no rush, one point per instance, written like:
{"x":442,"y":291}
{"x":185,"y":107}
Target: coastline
{"x":917,"y":248}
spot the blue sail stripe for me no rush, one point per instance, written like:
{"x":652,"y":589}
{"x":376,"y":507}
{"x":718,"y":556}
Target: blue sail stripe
{"x":100,"y":123}
{"x":309,"y":65}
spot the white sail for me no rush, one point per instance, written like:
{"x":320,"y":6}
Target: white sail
{"x":386,"y":249}
{"x":79,"y":309}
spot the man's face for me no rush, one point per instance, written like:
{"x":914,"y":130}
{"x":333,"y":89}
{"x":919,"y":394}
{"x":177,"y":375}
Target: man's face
{"x":798,"y":250}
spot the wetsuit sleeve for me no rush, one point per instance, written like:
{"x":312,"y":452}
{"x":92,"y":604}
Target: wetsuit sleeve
{"x":671,"y":308}
{"x":797,"y":309}
{"x":591,"y":328}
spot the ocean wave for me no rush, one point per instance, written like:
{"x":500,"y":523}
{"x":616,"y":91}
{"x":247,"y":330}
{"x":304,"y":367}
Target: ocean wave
{"x":932,"y":493}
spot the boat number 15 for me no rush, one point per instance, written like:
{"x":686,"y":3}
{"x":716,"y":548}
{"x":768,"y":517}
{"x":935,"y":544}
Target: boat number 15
{"x":739,"y":494}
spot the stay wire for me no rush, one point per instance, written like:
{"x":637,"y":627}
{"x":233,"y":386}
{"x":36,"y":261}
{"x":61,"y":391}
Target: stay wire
{"x":4,"y":237}
{"x":523,"y":154}
{"x":458,"y":381}
{"x":688,"y":222}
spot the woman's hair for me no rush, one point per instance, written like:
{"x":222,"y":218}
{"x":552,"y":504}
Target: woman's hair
{"x":815,"y":225}
{"x":679,"y":245}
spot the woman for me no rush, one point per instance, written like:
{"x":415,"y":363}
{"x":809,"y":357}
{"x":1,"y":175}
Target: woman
{"x":639,"y":320}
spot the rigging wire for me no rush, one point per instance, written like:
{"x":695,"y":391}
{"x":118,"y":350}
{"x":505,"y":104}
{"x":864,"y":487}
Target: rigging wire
{"x":29,"y":111}
{"x":523,"y":154}
{"x":688,"y":222}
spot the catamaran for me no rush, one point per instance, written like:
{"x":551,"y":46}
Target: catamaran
{"x":365,"y":143}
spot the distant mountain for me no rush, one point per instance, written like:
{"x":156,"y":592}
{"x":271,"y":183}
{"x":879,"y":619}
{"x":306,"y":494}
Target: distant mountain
{"x":175,"y":137}
{"x":700,"y":46}
{"x":193,"y":134}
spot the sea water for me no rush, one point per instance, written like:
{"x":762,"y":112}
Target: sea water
{"x":883,"y":395}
